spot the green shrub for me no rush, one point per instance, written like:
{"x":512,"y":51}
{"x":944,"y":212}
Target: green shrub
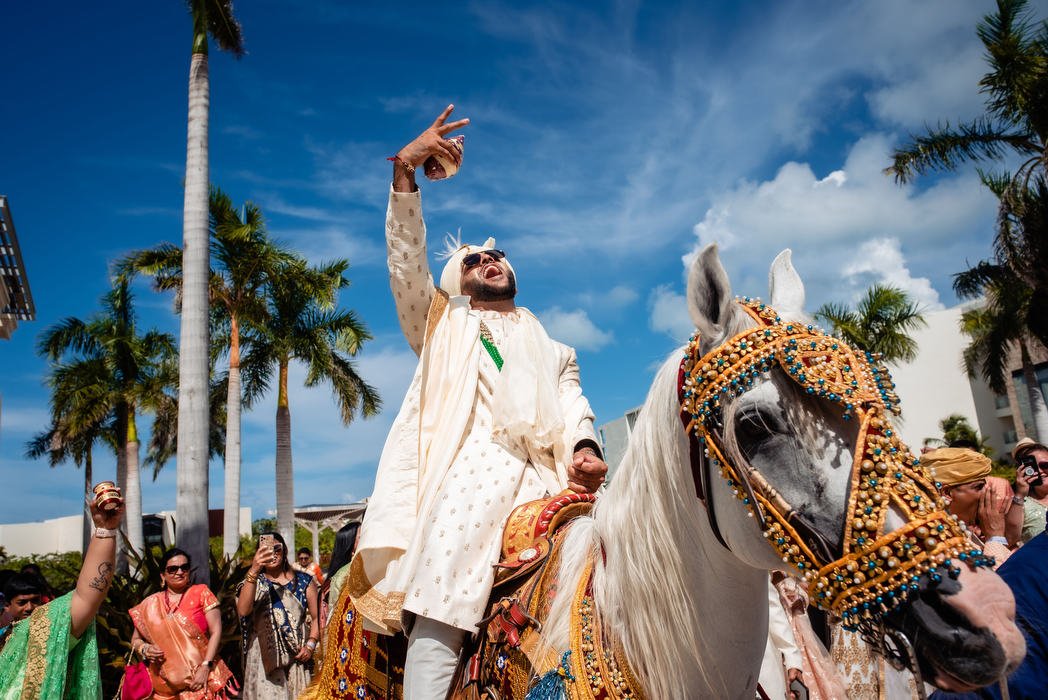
{"x":60,"y":570}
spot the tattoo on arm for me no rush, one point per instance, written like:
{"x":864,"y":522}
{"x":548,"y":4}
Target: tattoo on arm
{"x":101,"y":582}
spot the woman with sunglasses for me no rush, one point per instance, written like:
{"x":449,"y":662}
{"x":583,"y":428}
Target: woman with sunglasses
{"x":178,"y":632}
{"x":279,"y":620}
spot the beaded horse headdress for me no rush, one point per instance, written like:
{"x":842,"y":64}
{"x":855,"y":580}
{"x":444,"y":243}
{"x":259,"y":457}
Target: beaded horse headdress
{"x":876,"y":570}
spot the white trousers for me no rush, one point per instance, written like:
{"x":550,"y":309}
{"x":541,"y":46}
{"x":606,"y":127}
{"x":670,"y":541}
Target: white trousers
{"x":433,"y":651}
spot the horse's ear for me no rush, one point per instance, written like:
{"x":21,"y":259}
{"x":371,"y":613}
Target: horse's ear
{"x":784,"y":285}
{"x":710,"y":302}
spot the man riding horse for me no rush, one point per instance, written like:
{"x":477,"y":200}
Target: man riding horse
{"x":494,"y":417}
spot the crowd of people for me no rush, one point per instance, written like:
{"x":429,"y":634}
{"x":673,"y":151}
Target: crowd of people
{"x":494,"y":417}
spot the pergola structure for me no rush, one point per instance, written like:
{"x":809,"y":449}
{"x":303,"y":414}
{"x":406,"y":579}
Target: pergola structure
{"x":317,"y":517}
{"x":16,"y":301}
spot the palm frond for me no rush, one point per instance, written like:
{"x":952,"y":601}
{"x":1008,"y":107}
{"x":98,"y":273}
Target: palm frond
{"x":1017,"y":64}
{"x":944,"y":148}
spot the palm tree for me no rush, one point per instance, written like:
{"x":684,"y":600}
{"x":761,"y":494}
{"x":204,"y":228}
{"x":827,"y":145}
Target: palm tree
{"x":304,"y":325}
{"x":1016,"y":119}
{"x":1015,"y":125}
{"x":74,"y":430}
{"x":212,"y":18}
{"x":958,"y":432}
{"x":880,"y":323}
{"x":1021,"y":244}
{"x":241,"y":255}
{"x":115,"y":378}
{"x":996,"y":328}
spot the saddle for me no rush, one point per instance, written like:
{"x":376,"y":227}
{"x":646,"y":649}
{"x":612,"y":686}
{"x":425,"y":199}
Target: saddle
{"x":497,"y":662}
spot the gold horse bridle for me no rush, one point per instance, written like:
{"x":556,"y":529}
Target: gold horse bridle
{"x":876,"y":571}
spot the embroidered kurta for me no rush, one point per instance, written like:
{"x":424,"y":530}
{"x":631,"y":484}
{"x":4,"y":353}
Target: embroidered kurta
{"x":445,"y":486}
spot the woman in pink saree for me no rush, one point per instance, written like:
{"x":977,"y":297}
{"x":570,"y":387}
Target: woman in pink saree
{"x":178,"y":632}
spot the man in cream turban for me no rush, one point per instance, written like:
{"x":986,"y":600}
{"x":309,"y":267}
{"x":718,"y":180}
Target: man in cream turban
{"x":494,"y":417}
{"x":962,"y":474}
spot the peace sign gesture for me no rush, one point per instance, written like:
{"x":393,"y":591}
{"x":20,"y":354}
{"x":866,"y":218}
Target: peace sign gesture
{"x":429,"y":143}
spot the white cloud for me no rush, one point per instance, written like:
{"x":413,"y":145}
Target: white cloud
{"x":881,"y":259}
{"x":333,"y":241}
{"x":841,"y":226}
{"x":614,"y":299}
{"x":574,"y":328}
{"x":669,"y":313}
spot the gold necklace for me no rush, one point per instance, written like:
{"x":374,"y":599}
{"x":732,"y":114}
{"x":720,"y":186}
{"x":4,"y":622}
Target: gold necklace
{"x":172,"y":609}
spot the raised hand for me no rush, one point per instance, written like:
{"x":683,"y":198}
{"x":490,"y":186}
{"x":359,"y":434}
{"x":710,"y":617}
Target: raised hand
{"x":265,"y":557}
{"x":108,"y":519}
{"x":429,"y":143}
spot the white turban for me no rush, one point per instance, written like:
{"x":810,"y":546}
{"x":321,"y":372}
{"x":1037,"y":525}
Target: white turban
{"x":451,"y":277}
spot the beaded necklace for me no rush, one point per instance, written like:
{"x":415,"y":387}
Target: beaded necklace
{"x":488,"y":342}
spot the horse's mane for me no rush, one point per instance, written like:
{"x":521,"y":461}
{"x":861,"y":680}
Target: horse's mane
{"x":651,"y":500}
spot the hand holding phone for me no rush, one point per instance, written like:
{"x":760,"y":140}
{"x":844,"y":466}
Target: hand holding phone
{"x":798,"y":690}
{"x":1028,"y":463}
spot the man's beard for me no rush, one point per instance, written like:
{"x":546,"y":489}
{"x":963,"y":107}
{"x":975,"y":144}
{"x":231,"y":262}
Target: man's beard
{"x":481,"y":290}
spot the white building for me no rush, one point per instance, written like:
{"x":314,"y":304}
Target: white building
{"x":936,"y":385}
{"x":58,"y":535}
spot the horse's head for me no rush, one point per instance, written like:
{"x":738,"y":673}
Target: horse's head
{"x":798,"y":424}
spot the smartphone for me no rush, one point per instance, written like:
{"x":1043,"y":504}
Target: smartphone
{"x":1031,"y":470}
{"x":799,"y":690}
{"x":267,"y":541}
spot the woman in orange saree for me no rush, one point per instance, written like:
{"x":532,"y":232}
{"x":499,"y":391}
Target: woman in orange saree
{"x":178,"y":632}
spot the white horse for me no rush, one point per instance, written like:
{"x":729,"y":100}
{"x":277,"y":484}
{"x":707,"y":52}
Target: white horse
{"x":690,"y":613}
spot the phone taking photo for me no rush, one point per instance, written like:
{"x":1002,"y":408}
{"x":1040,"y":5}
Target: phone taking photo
{"x":1031,"y":470}
{"x":267,"y":541}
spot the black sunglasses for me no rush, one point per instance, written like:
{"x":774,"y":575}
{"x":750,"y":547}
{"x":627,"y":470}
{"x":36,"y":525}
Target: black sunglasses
{"x":474,"y":258}
{"x":175,"y":568}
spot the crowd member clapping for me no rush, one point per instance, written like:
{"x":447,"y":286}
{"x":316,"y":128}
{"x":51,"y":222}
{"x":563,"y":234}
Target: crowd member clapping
{"x":52,"y":654}
{"x":962,"y":473}
{"x":279,"y":620}
{"x":178,"y":632}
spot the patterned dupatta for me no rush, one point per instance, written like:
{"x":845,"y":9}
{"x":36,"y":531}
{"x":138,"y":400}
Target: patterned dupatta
{"x":278,"y":620}
{"x":183,"y":642}
{"x":38,"y":664}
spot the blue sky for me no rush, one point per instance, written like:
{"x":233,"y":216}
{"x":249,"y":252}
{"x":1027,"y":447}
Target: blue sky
{"x":608,"y":141}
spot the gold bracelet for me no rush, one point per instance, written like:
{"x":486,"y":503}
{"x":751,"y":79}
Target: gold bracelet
{"x":251,"y":578}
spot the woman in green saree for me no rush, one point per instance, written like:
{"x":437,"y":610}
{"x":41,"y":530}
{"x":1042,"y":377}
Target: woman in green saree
{"x":52,"y":654}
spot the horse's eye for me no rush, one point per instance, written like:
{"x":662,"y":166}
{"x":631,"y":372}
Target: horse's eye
{"x":754,"y":425}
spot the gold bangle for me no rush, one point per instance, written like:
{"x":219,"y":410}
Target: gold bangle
{"x":251,"y":578}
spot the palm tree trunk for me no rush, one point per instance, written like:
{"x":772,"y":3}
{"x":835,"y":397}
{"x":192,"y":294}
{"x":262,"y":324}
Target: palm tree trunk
{"x":121,"y":481}
{"x":285,"y":479}
{"x":1038,"y":409}
{"x":193,"y":363}
{"x":231,"y":520}
{"x":133,"y":494}
{"x":88,"y":523}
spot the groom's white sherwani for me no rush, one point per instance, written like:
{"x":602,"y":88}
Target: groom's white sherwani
{"x":468,"y":445}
